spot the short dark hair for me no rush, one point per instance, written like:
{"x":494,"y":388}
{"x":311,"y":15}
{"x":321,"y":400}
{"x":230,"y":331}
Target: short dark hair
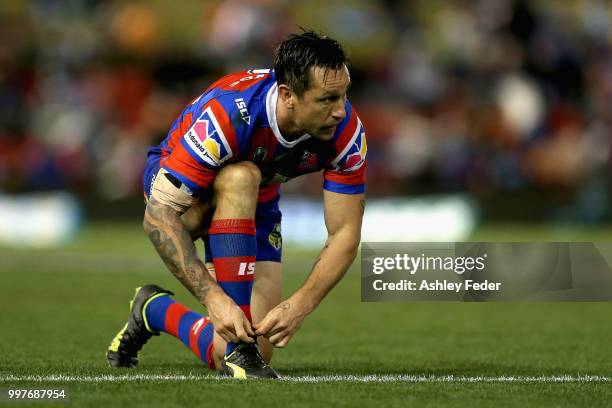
{"x":299,"y":52}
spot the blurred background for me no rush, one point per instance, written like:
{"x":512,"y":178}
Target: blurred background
{"x":476,"y":112}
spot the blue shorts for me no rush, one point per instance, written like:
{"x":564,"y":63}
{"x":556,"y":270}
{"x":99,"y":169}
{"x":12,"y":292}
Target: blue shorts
{"x":267,"y":217}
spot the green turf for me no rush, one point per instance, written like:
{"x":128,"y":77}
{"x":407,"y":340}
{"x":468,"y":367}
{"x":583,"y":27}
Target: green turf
{"x":60,"y":308}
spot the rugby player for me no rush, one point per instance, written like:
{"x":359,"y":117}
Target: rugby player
{"x":217,"y":176}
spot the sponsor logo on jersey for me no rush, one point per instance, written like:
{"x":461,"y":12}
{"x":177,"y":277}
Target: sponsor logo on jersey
{"x":244,"y":112}
{"x":206,"y":139}
{"x":355,"y":156}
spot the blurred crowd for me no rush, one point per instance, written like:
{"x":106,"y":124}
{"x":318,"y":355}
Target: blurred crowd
{"x":494,"y":97}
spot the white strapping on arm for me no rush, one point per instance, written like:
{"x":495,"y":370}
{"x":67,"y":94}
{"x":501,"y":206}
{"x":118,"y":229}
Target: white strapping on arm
{"x":167,"y":193}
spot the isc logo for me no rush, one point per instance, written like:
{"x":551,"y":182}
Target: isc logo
{"x":244,"y":112}
{"x":246,"y":268}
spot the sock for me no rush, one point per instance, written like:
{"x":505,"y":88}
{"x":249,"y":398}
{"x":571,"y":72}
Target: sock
{"x":164,"y":314}
{"x":233,"y":246}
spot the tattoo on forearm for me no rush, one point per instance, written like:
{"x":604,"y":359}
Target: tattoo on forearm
{"x":176,"y":249}
{"x":320,"y":255}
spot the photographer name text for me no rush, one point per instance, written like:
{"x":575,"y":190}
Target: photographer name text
{"x":436,"y":285}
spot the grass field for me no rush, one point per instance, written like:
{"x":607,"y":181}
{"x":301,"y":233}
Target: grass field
{"x":60,"y":308}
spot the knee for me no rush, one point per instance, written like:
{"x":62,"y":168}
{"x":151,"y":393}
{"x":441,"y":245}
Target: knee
{"x":243,"y":176}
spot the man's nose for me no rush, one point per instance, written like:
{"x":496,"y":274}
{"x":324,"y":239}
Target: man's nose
{"x":338,"y":111}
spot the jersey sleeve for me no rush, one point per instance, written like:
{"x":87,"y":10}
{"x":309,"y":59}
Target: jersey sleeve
{"x":346,"y":172}
{"x":206,"y":142}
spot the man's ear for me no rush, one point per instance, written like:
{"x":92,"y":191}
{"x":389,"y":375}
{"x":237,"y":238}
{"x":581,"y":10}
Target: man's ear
{"x":286,"y":96}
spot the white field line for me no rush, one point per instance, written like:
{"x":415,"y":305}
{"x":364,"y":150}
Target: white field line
{"x":374,"y":378}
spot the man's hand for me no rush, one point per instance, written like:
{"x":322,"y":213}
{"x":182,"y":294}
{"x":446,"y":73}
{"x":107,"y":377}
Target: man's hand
{"x":228,"y":319}
{"x":176,"y":248}
{"x":281,"y":323}
{"x":343,"y":215}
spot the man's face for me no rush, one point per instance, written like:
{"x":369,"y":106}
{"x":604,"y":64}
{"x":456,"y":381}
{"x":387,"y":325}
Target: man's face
{"x":321,"y":107}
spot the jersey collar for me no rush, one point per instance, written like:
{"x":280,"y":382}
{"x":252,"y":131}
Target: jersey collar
{"x":271,"y":99}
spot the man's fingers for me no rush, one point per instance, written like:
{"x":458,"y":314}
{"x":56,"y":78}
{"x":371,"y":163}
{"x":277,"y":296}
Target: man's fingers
{"x":247,"y":327}
{"x":241,"y":333}
{"x":280,"y":335}
{"x":273,"y":331}
{"x":231,"y":337}
{"x":227,"y":336}
{"x":264,"y":326}
{"x":283,"y":342}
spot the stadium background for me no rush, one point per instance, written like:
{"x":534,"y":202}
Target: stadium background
{"x":507,"y":100}
{"x":490,"y":119}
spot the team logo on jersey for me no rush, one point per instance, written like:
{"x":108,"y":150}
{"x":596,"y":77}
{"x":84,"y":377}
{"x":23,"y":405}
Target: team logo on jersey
{"x":260,"y":155}
{"x":206,"y":139}
{"x":275,"y":238}
{"x":353,"y":158}
{"x":309,"y":161}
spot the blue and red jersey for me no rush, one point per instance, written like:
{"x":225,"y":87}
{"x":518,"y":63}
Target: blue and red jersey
{"x":235,"y":120}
